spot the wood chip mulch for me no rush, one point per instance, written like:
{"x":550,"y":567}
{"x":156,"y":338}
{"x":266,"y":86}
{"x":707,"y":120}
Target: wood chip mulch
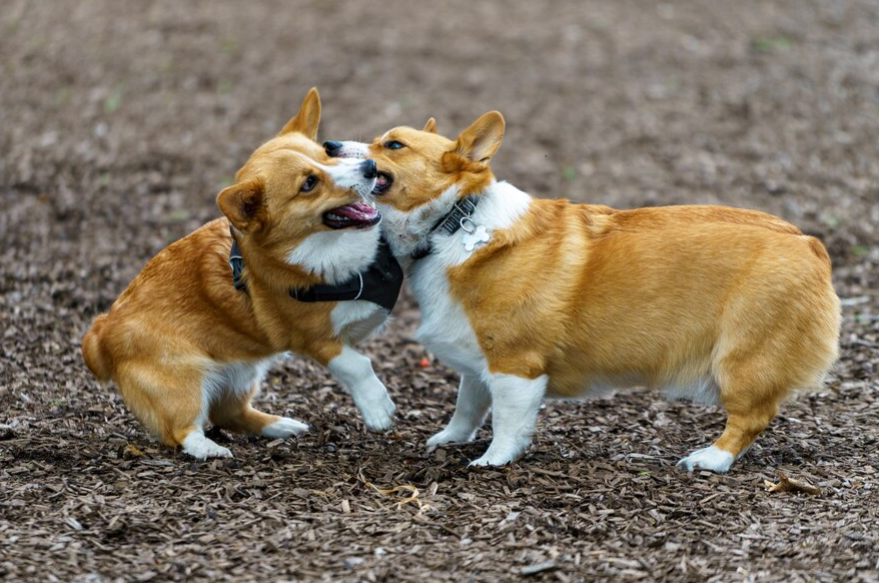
{"x":121,"y":122}
{"x":84,"y":490}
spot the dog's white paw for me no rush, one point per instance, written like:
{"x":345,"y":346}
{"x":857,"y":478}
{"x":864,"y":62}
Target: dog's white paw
{"x":500,"y":455}
{"x":710,"y":458}
{"x":200,"y":447}
{"x":449,"y":435}
{"x":378,"y":413}
{"x":284,"y":428}
{"x":492,"y":460}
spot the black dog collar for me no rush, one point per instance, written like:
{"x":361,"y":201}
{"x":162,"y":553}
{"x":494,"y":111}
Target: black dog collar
{"x":463,"y":209}
{"x":380,"y":283}
{"x":236,"y":262}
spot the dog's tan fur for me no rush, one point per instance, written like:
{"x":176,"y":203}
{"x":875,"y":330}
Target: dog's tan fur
{"x":666,"y":296}
{"x":181,"y":316}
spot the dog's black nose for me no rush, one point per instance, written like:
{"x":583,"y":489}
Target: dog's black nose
{"x":332,"y":148}
{"x":369,"y":170}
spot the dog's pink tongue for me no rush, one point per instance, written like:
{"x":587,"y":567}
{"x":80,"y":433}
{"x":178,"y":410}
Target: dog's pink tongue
{"x":358,"y":211}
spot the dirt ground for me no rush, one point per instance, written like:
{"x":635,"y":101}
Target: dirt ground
{"x":120,"y":122}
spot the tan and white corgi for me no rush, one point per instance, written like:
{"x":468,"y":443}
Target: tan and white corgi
{"x":529,"y":298}
{"x":186,"y":347}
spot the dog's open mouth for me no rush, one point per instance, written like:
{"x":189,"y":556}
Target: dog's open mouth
{"x":358,"y":215}
{"x":382,"y":183}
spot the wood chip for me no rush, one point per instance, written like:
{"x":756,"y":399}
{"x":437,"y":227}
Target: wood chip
{"x":122,"y":120}
{"x":537,"y":568}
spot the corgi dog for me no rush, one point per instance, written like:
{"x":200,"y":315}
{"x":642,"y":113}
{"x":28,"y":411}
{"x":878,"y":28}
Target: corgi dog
{"x":532,"y":298}
{"x":187,"y":347}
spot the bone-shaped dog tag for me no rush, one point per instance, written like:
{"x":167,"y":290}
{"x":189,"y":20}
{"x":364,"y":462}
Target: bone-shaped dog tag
{"x":478,"y":236}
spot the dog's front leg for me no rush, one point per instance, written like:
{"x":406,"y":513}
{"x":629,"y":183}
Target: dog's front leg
{"x":515,"y":402}
{"x":354,"y":372}
{"x":474,"y":400}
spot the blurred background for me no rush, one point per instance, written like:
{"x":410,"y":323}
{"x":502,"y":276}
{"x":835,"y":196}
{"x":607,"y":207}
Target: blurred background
{"x":121,"y":118}
{"x":120,"y":121}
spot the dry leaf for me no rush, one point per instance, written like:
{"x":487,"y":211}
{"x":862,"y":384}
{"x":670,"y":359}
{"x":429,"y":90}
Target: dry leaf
{"x":90,"y":196}
{"x":788,"y":484}
{"x":401,"y":488}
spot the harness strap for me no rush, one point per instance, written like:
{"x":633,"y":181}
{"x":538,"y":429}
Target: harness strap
{"x":380,"y":283}
{"x":345,"y":291}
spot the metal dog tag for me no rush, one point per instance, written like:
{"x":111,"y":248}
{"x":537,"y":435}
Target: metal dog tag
{"x":475,"y":235}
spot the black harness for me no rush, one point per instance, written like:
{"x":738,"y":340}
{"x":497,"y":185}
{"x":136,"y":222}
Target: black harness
{"x":380,"y":283}
{"x":450,"y":224}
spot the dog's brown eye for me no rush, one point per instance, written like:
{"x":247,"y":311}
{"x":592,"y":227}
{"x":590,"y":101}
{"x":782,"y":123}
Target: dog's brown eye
{"x":309,"y":184}
{"x":394,"y":145}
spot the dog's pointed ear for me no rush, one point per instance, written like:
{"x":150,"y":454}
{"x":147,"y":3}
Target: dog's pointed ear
{"x":481,"y":140}
{"x":308,"y":119}
{"x":430,"y":126}
{"x":242,"y":204}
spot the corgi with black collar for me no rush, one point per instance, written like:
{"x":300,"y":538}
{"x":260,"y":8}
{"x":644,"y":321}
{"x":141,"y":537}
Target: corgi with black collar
{"x":189,"y":341}
{"x":530,"y":298}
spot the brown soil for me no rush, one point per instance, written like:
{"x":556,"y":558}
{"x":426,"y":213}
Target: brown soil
{"x":122,"y":120}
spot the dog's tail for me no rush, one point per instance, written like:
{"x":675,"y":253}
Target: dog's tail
{"x":93,"y":350}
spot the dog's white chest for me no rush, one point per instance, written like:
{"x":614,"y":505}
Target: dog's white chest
{"x":445,"y":329}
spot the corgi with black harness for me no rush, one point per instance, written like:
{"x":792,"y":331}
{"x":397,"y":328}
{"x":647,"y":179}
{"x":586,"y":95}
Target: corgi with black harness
{"x":297,"y":265}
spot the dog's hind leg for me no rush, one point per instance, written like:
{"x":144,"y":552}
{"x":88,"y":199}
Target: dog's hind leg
{"x":173,"y":404}
{"x":789,"y":343}
{"x":234,"y":411}
{"x":745,"y":420}
{"x":753,"y":378}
